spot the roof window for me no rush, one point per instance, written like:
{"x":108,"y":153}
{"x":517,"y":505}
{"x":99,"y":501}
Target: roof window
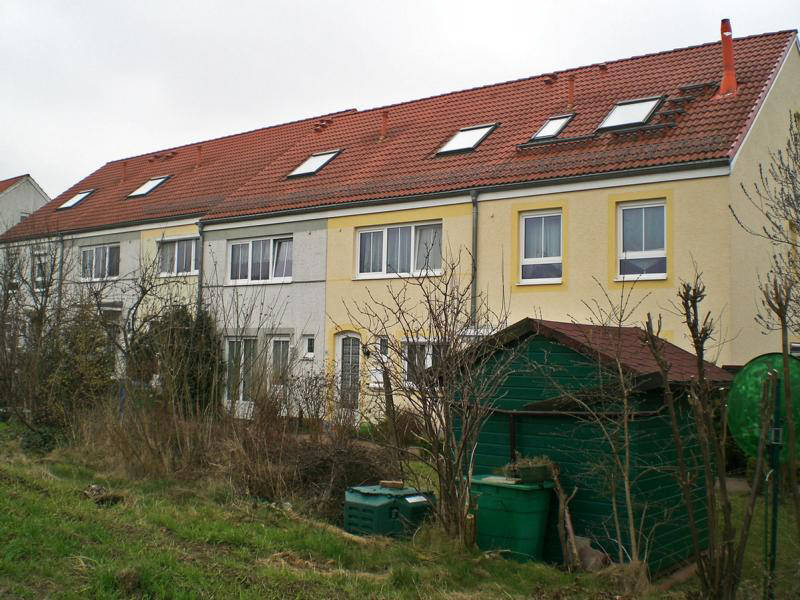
{"x":314,"y":163}
{"x":148,"y":186}
{"x":630,"y":113}
{"x":468,"y":138}
{"x":76,"y":199}
{"x":552,"y":127}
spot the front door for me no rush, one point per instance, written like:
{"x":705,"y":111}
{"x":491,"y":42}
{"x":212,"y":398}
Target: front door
{"x":350,"y":352}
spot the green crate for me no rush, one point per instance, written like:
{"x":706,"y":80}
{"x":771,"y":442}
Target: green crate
{"x":511,"y":516}
{"x":377,"y":510}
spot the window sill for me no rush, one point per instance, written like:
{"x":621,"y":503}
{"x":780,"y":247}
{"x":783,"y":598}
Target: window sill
{"x":307,"y":357}
{"x":99,"y":280}
{"x":543,"y":281}
{"x":645,"y":277}
{"x":176,"y":275}
{"x":366,"y":276}
{"x":247,"y":282}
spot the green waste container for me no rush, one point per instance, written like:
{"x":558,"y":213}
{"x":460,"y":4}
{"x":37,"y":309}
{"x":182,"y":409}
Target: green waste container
{"x":511,"y":516}
{"x":378,"y":510}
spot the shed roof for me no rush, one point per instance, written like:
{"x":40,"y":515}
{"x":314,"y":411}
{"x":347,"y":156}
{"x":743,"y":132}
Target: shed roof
{"x":246,"y":175}
{"x":609,"y":344}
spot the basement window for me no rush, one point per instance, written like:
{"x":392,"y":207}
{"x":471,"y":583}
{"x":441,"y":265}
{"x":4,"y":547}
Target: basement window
{"x":467,"y":139}
{"x":314,"y":163}
{"x":630,"y":113}
{"x":79,"y":197}
{"x":148,"y":186}
{"x":552,"y":127}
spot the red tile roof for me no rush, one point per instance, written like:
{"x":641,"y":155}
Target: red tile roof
{"x":245,"y":175}
{"x":624,"y":343}
{"x":7,"y":183}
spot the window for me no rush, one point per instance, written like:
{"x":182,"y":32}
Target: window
{"x":23,"y":214}
{"x":379,"y":358}
{"x":148,"y":186}
{"x":794,"y":349}
{"x":179,"y":257}
{"x":76,"y":199}
{"x":100,"y":262}
{"x":308,"y":346}
{"x":314,"y":163}
{"x":468,"y":138}
{"x":42,"y":268}
{"x":552,"y":127}
{"x":630,"y":112}
{"x":267,"y":260}
{"x":239,"y":388}
{"x":421,"y":356}
{"x":400,"y":250}
{"x":349,"y":366}
{"x":541,"y":248}
{"x":280,"y":361}
{"x":641,"y":237}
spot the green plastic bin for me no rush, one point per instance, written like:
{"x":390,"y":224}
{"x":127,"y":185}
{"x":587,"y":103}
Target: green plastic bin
{"x":377,"y":510}
{"x":511,"y":516}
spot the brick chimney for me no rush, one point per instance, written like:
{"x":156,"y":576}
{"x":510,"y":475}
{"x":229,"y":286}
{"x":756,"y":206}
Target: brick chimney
{"x":728,"y":85}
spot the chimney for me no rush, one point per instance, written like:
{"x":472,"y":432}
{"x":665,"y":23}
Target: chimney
{"x":728,"y":85}
{"x":384,"y":125}
{"x":199,"y":158}
{"x":571,"y":93}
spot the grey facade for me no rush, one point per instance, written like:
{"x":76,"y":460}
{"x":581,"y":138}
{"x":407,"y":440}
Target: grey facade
{"x":20,"y":200}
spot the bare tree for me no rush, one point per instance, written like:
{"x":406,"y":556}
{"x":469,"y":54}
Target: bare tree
{"x":435,"y":356}
{"x":720,"y":566}
{"x":775,"y":197}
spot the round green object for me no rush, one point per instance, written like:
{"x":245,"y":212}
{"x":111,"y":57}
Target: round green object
{"x":744,"y":401}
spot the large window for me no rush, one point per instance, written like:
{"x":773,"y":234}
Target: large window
{"x":100,"y":262}
{"x":400,"y":250}
{"x":265,"y":260}
{"x":641,"y":240}
{"x":179,"y":257}
{"x":541,"y":248}
{"x":42,"y":267}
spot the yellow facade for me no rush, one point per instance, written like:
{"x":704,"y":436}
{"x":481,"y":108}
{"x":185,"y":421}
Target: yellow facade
{"x":701,"y":234}
{"x":185,"y":286}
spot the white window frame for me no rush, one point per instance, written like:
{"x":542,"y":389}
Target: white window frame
{"x":175,"y":241}
{"x":93,"y":250}
{"x":306,"y":354}
{"x":539,"y":135}
{"x":376,"y":368}
{"x":40,"y":283}
{"x":621,"y":206}
{"x":250,"y":241}
{"x":543,"y":260}
{"x":239,"y":407}
{"x":383,"y":274}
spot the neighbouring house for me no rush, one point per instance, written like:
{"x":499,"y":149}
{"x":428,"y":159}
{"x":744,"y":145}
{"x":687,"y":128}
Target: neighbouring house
{"x":617,"y":174}
{"x":559,"y":372}
{"x":20,"y":197}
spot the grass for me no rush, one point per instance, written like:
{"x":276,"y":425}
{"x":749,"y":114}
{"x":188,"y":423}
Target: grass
{"x":170,"y":539}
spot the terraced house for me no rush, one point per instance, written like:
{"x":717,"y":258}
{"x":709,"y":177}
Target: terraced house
{"x":620,"y":173}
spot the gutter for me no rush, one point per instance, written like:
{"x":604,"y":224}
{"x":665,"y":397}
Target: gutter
{"x":688,"y":166}
{"x":473,"y":302}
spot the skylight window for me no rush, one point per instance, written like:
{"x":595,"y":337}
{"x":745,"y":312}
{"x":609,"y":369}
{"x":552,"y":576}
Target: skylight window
{"x":314,"y":163}
{"x":148,"y":186}
{"x":552,"y":127}
{"x":630,"y":112}
{"x":76,"y":199}
{"x":468,"y":138}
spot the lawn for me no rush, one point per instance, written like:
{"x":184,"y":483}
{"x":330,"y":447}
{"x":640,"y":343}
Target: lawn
{"x":167,"y":539}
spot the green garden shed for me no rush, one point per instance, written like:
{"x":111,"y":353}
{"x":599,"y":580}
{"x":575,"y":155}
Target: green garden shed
{"x":564,"y":382}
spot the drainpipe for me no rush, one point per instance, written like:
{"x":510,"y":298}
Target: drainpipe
{"x":201,"y":250}
{"x":473,"y":308}
{"x":60,"y":274}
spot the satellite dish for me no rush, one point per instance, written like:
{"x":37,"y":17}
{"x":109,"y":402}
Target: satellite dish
{"x":744,"y":401}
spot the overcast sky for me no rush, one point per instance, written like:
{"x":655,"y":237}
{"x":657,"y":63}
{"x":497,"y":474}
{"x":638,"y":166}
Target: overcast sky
{"x":83,"y":83}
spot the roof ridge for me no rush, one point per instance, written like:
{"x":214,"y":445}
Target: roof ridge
{"x":569,"y":70}
{"x":346,"y":111}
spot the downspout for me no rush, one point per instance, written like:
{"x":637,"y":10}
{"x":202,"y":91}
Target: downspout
{"x":201,"y":250}
{"x":60,"y":275}
{"x":473,"y":308}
